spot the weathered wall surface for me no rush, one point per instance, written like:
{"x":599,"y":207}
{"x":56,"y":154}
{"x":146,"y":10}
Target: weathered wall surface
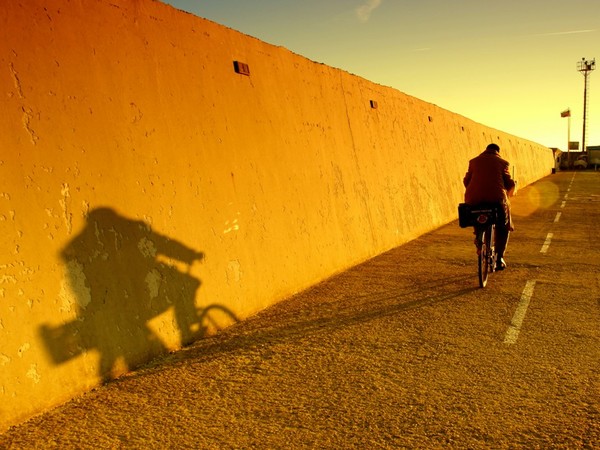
{"x":130,"y":148}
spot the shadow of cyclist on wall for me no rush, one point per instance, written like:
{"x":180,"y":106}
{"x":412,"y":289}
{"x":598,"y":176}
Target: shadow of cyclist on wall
{"x":120,"y":274}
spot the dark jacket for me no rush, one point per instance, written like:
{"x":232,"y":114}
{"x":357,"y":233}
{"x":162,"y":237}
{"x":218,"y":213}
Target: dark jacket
{"x":488,"y":179}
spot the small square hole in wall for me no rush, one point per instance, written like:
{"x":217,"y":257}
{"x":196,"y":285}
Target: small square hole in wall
{"x":430,"y":118}
{"x":373,"y":104}
{"x":241,"y":68}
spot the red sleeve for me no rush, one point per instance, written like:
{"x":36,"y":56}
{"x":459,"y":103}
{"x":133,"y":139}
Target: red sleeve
{"x":467,"y":178}
{"x":508,"y":181}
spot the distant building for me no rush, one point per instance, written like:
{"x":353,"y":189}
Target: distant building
{"x":594,"y":154}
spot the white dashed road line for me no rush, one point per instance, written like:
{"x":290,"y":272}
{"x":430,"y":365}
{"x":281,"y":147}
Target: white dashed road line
{"x":517,"y":321}
{"x":546,"y":243}
{"x":515,"y":325}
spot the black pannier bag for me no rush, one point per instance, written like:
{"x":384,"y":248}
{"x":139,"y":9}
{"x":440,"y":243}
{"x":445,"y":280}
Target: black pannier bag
{"x":468,"y":215}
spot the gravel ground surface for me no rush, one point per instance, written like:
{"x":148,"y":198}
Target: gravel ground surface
{"x":403,"y":351}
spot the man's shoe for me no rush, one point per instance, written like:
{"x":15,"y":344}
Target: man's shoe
{"x":500,"y":264}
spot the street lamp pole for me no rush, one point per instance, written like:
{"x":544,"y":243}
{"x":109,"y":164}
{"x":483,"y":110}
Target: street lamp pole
{"x":569,"y":139}
{"x":567,"y":113}
{"x":585,"y":67}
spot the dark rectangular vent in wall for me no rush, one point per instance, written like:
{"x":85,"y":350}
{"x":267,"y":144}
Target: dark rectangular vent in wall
{"x":373,"y":104}
{"x":241,"y":68}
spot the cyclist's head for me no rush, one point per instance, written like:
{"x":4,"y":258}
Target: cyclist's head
{"x":493,"y":147}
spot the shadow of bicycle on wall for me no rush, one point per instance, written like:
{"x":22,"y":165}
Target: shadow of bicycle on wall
{"x":127,"y":285}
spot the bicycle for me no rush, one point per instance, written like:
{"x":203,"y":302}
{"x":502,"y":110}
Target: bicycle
{"x":483,"y":218}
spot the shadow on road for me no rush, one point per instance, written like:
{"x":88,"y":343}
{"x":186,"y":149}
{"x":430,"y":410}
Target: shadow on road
{"x":299,"y":317}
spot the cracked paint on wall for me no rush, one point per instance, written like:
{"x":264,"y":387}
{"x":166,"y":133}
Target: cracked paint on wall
{"x":74,"y":288}
{"x":23,"y":349}
{"x":65,"y":205}
{"x":147,"y":247}
{"x":234,"y":272}
{"x":16,"y":81}
{"x":27,"y":119}
{"x":153,"y":281}
{"x":4,"y":360}
{"x":33,"y":374}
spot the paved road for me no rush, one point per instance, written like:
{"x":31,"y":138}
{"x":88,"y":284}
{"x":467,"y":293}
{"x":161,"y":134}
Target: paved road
{"x":403,"y":351}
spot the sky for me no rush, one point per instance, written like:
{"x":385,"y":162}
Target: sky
{"x":511,"y":65}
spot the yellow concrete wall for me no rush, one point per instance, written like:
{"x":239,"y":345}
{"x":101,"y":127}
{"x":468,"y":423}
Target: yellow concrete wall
{"x":130,"y":147}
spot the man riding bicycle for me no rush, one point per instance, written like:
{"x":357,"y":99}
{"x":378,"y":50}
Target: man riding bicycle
{"x":488,"y":180}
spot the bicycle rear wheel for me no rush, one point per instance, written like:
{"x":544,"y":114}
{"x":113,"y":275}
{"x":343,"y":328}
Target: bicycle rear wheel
{"x":492,"y":256}
{"x":483,"y":259}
